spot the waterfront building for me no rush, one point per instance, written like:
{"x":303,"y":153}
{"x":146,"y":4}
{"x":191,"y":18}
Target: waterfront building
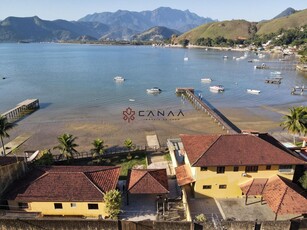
{"x":64,"y":191}
{"x":220,"y":165}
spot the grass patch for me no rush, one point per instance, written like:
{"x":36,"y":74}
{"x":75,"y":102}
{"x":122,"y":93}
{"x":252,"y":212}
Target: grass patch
{"x":167,"y":157}
{"x":125,"y":162}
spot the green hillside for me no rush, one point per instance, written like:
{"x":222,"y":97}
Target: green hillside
{"x":241,"y":29}
{"x":294,"y":20}
{"x":228,"y":29}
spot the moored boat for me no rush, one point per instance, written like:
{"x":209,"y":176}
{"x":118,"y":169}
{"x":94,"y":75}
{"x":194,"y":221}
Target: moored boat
{"x":253,"y":91}
{"x":206,"y":79}
{"x":217,"y":88}
{"x":119,"y":78}
{"x":276,"y":73}
{"x":154,"y":90}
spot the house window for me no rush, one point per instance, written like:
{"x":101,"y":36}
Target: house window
{"x":222,"y":186}
{"x":251,"y":169}
{"x":73,"y":205}
{"x":220,"y":169}
{"x":268,"y":167}
{"x":58,"y":206}
{"x":92,"y":206}
{"x":236,"y":168}
{"x":203,"y":168}
{"x":285,"y":168}
{"x":22,"y":205}
{"x":207,"y":186}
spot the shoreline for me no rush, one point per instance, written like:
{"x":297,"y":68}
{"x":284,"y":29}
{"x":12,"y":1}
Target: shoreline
{"x":114,"y":132}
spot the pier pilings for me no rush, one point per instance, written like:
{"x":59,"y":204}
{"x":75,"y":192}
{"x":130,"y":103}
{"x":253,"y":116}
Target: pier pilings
{"x":215,"y":115}
{"x":22,"y":109}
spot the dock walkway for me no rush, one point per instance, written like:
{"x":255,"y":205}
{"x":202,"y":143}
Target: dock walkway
{"x":22,"y":109}
{"x":14,"y":144}
{"x":218,"y":117}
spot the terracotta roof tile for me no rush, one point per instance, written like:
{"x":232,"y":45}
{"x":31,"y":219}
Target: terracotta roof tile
{"x":65,"y":183}
{"x":236,"y":149}
{"x":254,"y":186}
{"x":184,"y":175}
{"x":284,"y":197}
{"x":147,"y":181}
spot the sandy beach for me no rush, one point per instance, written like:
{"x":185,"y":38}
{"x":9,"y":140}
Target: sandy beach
{"x":115,"y":130}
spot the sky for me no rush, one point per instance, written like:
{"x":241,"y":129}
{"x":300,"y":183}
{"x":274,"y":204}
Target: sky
{"x":73,"y":10}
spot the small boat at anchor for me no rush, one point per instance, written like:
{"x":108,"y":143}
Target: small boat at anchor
{"x":253,"y":91}
{"x":276,"y":73}
{"x":206,"y":80}
{"x":217,"y":88}
{"x":154,"y":90}
{"x":119,"y":79}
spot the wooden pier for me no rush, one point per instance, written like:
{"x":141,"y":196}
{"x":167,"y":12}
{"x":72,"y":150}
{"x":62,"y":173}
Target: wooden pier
{"x":22,"y":109}
{"x":213,"y":113}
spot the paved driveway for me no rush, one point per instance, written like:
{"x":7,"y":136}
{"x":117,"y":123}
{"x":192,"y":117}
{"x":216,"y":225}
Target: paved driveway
{"x":236,"y":209}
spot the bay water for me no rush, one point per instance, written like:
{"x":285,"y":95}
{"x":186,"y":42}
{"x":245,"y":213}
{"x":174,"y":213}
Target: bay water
{"x":73,"y":80}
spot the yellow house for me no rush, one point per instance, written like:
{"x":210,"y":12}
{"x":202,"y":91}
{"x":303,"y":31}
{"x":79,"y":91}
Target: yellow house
{"x":64,"y":191}
{"x":220,"y":165}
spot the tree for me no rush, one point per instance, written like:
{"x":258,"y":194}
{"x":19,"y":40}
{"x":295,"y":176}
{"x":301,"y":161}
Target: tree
{"x":98,"y":149}
{"x":45,"y":158}
{"x":296,"y":121}
{"x":4,"y":127}
{"x":67,"y":146}
{"x":184,"y":42}
{"x":303,"y":180}
{"x":128,"y":144}
{"x":113,"y":201}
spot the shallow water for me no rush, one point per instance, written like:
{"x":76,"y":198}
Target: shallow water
{"x":77,"y":80}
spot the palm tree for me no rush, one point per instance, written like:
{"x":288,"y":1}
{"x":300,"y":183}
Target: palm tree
{"x":4,"y":127}
{"x":98,"y":149}
{"x":67,"y":146}
{"x":296,"y":121}
{"x":128,"y":144}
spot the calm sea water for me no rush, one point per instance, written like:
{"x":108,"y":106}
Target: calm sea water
{"x":75,"y":79}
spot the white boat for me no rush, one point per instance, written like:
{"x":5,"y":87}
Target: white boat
{"x":119,"y":78}
{"x":131,"y":99}
{"x":185,"y":58}
{"x":225,"y":57}
{"x":253,"y":91}
{"x":206,"y":80}
{"x":154,"y":90}
{"x":217,"y":88}
{"x":276,"y":73}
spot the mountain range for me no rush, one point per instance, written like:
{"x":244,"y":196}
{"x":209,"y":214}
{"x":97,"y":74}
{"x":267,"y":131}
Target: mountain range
{"x":158,"y":24}
{"x":121,"y":25}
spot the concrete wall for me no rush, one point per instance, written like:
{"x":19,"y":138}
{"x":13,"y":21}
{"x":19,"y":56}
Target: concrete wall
{"x":73,"y":224}
{"x":57,"y":224}
{"x":10,"y":173}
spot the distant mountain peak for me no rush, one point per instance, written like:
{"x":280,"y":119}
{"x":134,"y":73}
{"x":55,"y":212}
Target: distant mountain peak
{"x":285,"y":13}
{"x":141,"y":21}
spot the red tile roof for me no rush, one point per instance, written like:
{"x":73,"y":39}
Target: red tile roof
{"x":184,"y":175}
{"x":236,"y":149}
{"x":147,"y":181}
{"x":285,"y":197}
{"x":254,"y":186}
{"x":66,"y":183}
